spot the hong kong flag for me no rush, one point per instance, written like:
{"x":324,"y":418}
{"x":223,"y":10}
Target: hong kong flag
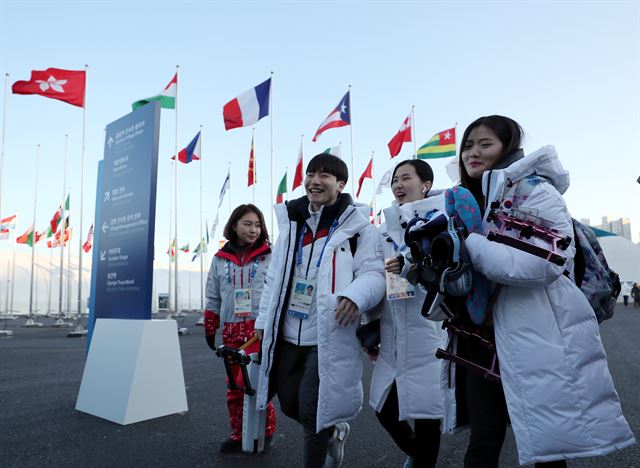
{"x":55,"y":83}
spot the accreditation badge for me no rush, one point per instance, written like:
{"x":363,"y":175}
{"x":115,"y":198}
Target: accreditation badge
{"x":300,"y":304}
{"x":398,"y":287}
{"x":242,"y":302}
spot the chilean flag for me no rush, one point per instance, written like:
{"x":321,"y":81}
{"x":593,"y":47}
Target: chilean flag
{"x":339,"y":117}
{"x":247,"y":108}
{"x":191,"y":152}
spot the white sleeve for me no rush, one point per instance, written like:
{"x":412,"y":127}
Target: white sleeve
{"x":267,"y":289}
{"x":368,"y":286}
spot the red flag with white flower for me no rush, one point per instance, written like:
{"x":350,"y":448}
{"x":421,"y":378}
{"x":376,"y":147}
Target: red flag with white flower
{"x":55,"y":83}
{"x":403,"y":135}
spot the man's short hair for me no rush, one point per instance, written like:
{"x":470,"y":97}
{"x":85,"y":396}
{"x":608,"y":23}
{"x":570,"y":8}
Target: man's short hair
{"x":330,"y":164}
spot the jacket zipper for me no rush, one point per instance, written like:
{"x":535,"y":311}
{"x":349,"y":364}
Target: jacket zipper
{"x":333,"y":275}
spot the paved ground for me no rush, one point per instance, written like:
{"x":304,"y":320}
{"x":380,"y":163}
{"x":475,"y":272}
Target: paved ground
{"x":41,"y":369}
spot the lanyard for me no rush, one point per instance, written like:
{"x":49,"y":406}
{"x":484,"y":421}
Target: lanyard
{"x":332,"y":229}
{"x":252,"y":273}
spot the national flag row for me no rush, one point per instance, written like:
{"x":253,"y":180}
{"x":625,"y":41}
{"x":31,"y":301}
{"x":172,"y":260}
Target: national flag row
{"x":244,"y":110}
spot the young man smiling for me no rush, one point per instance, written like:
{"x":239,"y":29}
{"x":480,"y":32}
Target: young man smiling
{"x":311,"y":357}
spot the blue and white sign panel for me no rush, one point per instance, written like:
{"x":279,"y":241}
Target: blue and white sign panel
{"x":126,"y":222}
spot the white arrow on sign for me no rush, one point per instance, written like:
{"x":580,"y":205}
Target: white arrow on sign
{"x":103,"y":255}
{"x":110,"y":141}
{"x":104,"y":227}
{"x":106,"y":196}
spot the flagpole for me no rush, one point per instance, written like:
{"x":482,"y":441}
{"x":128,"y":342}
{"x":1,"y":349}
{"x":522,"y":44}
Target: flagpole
{"x":169,"y":287}
{"x":13,"y":276}
{"x":4,"y":126}
{"x":50,"y":279}
{"x":201,"y":232}
{"x":31,"y":322}
{"x":271,"y":114}
{"x":373,"y":176}
{"x":64,"y":189}
{"x":229,"y":188}
{"x":353,"y":182}
{"x":175,"y":201}
{"x":79,"y":330}
{"x":413,"y":132}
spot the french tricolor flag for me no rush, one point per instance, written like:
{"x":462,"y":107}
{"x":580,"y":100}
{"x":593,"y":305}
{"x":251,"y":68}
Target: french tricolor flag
{"x":247,"y":108}
{"x":191,"y":152}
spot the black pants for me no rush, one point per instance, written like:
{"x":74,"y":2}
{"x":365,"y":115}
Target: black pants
{"x":488,"y":418}
{"x":296,"y":384}
{"x":421,"y":443}
{"x":626,"y":300}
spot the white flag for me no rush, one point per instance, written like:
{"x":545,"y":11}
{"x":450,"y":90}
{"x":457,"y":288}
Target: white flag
{"x":453,"y":171}
{"x":385,"y":181}
{"x":214,"y":226}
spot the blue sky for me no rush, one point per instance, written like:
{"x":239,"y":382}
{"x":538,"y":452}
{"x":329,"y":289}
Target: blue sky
{"x":567,"y":71}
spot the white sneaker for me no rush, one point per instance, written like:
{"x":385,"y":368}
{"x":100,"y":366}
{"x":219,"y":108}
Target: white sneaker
{"x":335,"y":451}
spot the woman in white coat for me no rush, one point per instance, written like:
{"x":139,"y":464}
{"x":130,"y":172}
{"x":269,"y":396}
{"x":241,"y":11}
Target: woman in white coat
{"x":555,"y":386}
{"x":406,"y":379}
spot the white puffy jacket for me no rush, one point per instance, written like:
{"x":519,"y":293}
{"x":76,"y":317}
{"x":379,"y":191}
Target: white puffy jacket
{"x":359,"y":277}
{"x":408,"y":341}
{"x":559,"y":392}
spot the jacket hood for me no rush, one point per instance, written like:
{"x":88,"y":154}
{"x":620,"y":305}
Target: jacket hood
{"x":397,"y":216}
{"x":543,"y":162}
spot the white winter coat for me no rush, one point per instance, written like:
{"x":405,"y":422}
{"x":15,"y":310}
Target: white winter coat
{"x":408,"y":341}
{"x":559,"y":392}
{"x":359,"y":278}
{"x":227,"y":272}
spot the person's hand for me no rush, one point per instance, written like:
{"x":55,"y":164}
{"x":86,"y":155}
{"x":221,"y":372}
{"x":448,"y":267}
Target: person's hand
{"x":259,"y":333}
{"x":347,"y":312}
{"x":393,"y":265}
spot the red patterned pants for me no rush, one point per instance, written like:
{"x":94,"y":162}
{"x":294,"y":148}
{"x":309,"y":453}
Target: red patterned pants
{"x":235,"y":334}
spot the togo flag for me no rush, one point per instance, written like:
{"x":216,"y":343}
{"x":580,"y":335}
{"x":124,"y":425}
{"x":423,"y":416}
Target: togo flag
{"x":441,"y":145}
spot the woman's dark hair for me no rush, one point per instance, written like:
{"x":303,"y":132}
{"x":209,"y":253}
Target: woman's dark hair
{"x":423,"y":170}
{"x":231,"y":234}
{"x":330,"y":164}
{"x":510,"y":134}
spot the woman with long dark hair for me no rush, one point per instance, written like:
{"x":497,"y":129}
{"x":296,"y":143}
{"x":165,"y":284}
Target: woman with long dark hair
{"x":555,"y":387}
{"x":234,"y":288}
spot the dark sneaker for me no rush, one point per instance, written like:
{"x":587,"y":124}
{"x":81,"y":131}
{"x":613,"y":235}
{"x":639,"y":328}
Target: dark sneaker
{"x":230,"y":446}
{"x":335,"y":451}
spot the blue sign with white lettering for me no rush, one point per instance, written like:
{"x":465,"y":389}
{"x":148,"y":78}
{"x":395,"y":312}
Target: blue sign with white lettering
{"x":126,"y":221}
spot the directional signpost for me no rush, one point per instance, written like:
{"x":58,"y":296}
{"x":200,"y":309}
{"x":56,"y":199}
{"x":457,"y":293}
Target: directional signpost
{"x":127,"y":216}
{"x":134,"y":368}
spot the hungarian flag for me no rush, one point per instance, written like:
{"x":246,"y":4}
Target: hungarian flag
{"x":8,"y":222}
{"x":297,"y":177}
{"x":185,"y":248}
{"x":167,"y":97}
{"x":55,"y":83}
{"x":441,"y":145}
{"x":248,"y":107}
{"x":27,"y":237}
{"x":4,"y":234}
{"x":368,"y":173}
{"x":282,"y":189}
{"x":339,"y":117}
{"x":191,"y":152}
{"x":252,"y":166}
{"x":403,"y":135}
{"x":88,"y":243}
